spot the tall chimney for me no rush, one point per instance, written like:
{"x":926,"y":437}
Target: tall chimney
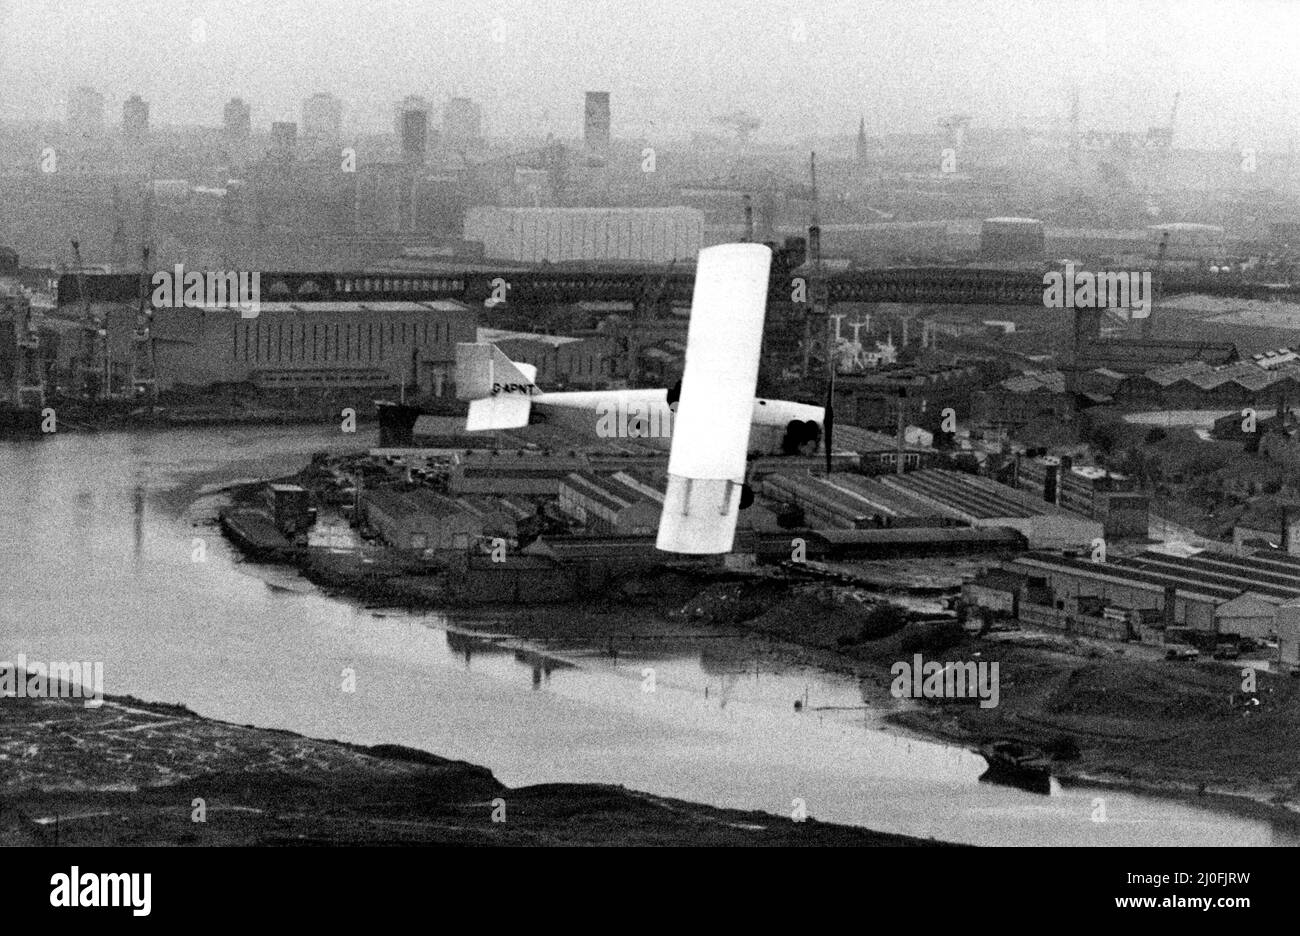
{"x":1051,"y":484}
{"x":902,"y":430}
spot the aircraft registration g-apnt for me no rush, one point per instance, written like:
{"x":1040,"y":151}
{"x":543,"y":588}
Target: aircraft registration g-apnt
{"x":717,"y":423}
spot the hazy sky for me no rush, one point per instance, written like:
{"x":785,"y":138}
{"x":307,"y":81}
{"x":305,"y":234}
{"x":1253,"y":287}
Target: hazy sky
{"x":807,"y":67}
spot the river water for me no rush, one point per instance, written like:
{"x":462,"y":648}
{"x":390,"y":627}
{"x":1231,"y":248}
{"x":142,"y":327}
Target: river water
{"x":100,"y":561}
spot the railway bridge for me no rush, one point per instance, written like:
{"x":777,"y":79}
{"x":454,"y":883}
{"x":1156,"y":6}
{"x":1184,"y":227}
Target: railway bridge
{"x":554,"y":286}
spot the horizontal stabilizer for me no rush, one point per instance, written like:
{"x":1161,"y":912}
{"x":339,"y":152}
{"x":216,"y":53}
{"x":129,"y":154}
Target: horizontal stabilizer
{"x":498,"y":412}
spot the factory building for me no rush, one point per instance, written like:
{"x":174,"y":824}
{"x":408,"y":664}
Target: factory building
{"x":561,"y":360}
{"x":557,"y":235}
{"x":1200,"y":385}
{"x":421,"y":519}
{"x":610,"y":504}
{"x":931,"y":497}
{"x":1140,"y":355}
{"x":1208,"y":593}
{"x":502,"y":516}
{"x":983,"y":502}
{"x":513,"y":477}
{"x":305,"y":344}
{"x":871,"y":398}
{"x":1021,"y":399}
{"x":1104,"y":496}
{"x":853,"y":502}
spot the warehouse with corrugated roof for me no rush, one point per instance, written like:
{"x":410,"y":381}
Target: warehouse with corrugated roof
{"x":1212,"y":592}
{"x":930,"y":497}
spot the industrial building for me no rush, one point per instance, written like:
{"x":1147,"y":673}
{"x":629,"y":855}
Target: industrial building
{"x":557,"y":235}
{"x":1139,"y":355}
{"x":853,"y":502}
{"x":930,"y":497}
{"x":983,"y":502}
{"x":513,"y":477}
{"x":298,"y":344}
{"x":1154,"y":596}
{"x":1201,"y":385}
{"x":610,"y":504}
{"x":1022,"y":399}
{"x":421,"y":519}
{"x":561,"y":361}
{"x":1104,"y":496}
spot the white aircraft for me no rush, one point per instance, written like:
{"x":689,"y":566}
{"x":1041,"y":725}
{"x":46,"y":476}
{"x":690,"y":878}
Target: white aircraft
{"x":716,"y":408}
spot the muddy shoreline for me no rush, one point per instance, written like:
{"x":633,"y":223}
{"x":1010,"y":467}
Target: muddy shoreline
{"x":130,"y":772}
{"x":1230,"y":782}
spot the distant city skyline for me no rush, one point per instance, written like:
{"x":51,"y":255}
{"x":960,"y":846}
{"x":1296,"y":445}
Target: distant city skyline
{"x":804,"y":69}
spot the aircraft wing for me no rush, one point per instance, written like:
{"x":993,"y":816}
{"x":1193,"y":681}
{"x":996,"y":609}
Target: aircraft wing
{"x":706,"y":468}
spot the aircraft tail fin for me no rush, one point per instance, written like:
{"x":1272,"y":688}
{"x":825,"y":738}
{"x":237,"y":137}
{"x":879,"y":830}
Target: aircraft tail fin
{"x":500,"y":390}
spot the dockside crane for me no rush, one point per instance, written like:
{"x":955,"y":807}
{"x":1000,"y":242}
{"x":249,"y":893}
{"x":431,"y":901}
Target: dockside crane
{"x":93,"y":356}
{"x":146,"y":376}
{"x":145,"y":358}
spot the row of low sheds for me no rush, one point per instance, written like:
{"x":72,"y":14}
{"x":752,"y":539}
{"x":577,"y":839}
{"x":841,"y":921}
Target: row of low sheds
{"x":930,"y":498}
{"x":1195,"y":384}
{"x":1152,"y":596}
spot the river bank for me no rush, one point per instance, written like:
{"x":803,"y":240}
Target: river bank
{"x":107,"y":563}
{"x":1126,"y":720}
{"x":1118,"y":720}
{"x":130,"y":772}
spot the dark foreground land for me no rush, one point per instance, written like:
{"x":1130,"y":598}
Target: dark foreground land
{"x":131,"y":773}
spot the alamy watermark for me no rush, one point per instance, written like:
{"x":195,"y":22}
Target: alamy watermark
{"x":24,"y":679}
{"x":953,"y":680}
{"x":1103,"y":289}
{"x":635,"y":419}
{"x":226,"y":289}
{"x":79,"y":888}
